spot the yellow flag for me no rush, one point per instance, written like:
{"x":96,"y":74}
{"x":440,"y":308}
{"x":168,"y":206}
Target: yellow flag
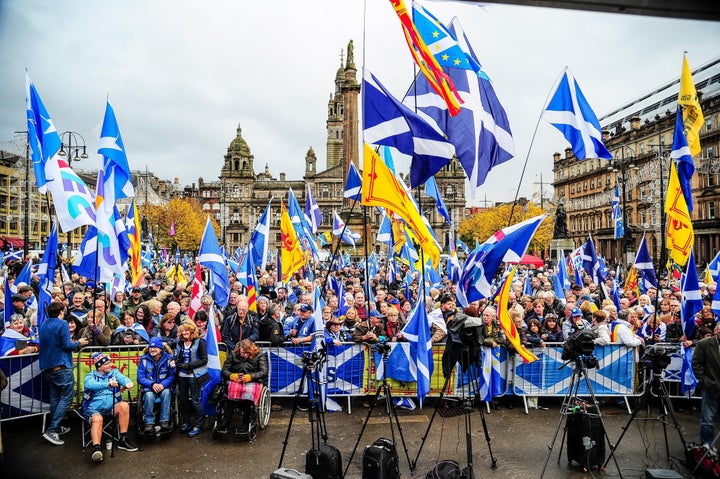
{"x":506,"y":322}
{"x":631,"y":282}
{"x":291,"y":256}
{"x":692,"y":114}
{"x":381,"y":188}
{"x":680,"y":235}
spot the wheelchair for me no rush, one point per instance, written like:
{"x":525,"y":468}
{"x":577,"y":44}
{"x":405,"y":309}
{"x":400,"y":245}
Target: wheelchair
{"x":258,"y":417}
{"x":158,"y":432}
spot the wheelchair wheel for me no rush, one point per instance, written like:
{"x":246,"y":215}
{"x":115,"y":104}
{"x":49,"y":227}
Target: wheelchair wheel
{"x":263,"y":408}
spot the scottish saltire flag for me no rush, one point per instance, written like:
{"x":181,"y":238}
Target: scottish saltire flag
{"x":617,"y":214}
{"x":373,"y":265}
{"x":388,"y":122}
{"x":391,"y":269}
{"x":260,"y":238}
{"x":73,"y":200}
{"x":570,"y":112}
{"x":8,"y":302}
{"x":246,"y":275}
{"x":460,"y":244}
{"x":688,"y":381}
{"x":318,"y":343}
{"x":431,"y":189}
{"x":341,"y":230}
{"x":385,"y":233}
{"x":691,"y":297}
{"x":453,"y":264}
{"x":685,"y":165}
{"x":558,"y":284}
{"x":417,"y":333}
{"x":114,"y":179}
{"x":486,"y":386}
{"x":481,"y":131}
{"x":211,"y":258}
{"x":644,"y":264}
{"x":353,"y":184}
{"x":46,"y":274}
{"x":105,"y":246}
{"x":590,"y":262}
{"x":714,"y":267}
{"x":12,"y":255}
{"x":213,"y":364}
{"x":715,"y":305}
{"x":302,"y":228}
{"x":25,"y":274}
{"x":506,"y":245}
{"x":527,"y":287}
{"x":313,"y":215}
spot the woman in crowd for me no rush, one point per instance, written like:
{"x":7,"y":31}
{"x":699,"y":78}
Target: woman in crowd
{"x":333,"y":334}
{"x":129,"y":332}
{"x":393,"y":326}
{"x":75,"y":327}
{"x":350,"y":321}
{"x":551,"y":330}
{"x":192,"y":373}
{"x":17,"y":335}
{"x":534,"y":334}
{"x":144,"y":318}
{"x":405,"y":308}
{"x":96,"y":332}
{"x":167,"y":330}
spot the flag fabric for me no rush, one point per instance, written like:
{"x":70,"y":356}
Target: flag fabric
{"x":558,"y":284}
{"x":385,"y":233}
{"x":691,"y":297}
{"x":506,"y":245}
{"x":302,"y":228}
{"x":172,"y":228}
{"x":644,"y":264}
{"x":342,"y":231}
{"x":631,"y":281}
{"x":291,"y":255}
{"x":425,"y":60}
{"x":507,"y":324}
{"x":692,"y":113}
{"x":688,"y":381}
{"x":8,"y":302}
{"x":260,"y":239}
{"x":105,"y":248}
{"x":213,"y":364}
{"x":198,"y":289}
{"x":246,"y":275}
{"x":25,"y":274}
{"x":313,"y":215}
{"x":73,"y":200}
{"x":432,"y":190}
{"x":212,"y":258}
{"x":132,"y":225}
{"x":570,"y":112}
{"x":617,"y":214}
{"x":715,"y":304}
{"x":591,"y":263}
{"x":417,"y":332}
{"x":12,"y":255}
{"x":46,"y":274}
{"x":460,"y":244}
{"x":114,"y":179}
{"x":685,"y":165}
{"x":381,"y":188}
{"x":353,"y":185}
{"x":680,"y":234}
{"x":480,"y":131}
{"x":453,"y":264}
{"x":386,"y":121}
{"x":714,"y":267}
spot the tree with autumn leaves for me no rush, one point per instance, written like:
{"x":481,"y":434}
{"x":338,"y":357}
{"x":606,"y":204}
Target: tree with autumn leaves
{"x":482,"y":225}
{"x":189,"y":220}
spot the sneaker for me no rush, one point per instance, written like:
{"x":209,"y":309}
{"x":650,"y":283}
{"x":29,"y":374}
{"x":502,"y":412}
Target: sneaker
{"x":186,"y":427}
{"x":194,"y":431}
{"x":126,"y":446}
{"x":63,"y":430}
{"x":97,"y":454}
{"x":53,"y":438}
{"x":164,"y":426}
{"x":149,"y":429}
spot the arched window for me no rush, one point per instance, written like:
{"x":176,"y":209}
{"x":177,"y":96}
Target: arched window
{"x":236,"y":165}
{"x":236,"y":191}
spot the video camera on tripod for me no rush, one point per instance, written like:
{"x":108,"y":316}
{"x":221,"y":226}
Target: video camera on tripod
{"x":658,"y":356}
{"x":312,"y":359}
{"x":580,"y":345}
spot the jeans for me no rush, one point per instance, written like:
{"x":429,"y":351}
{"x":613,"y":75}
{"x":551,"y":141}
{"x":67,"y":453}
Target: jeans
{"x":149,"y":398}
{"x":709,"y":412}
{"x":189,"y":394}
{"x":62,"y":389}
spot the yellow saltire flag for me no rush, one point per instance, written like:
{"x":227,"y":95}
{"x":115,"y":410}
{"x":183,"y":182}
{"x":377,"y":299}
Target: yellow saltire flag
{"x":680,"y":234}
{"x":692,"y":114}
{"x":631,"y":282}
{"x":507,"y":323}
{"x":291,"y":256}
{"x":708,"y":276}
{"x":381,"y":188}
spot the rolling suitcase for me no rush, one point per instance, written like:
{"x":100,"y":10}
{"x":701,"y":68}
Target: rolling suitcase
{"x":585,"y":439}
{"x":380,"y":460}
{"x":285,"y":473}
{"x":324,"y":462}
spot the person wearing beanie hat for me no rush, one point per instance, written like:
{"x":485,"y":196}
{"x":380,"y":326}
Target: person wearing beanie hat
{"x":103,"y":386}
{"x":56,"y":364}
{"x":155,"y":375}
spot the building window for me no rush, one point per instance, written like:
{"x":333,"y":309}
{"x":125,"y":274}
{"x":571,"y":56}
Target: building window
{"x":236,"y":191}
{"x":585,"y":185}
{"x":711,"y":210}
{"x":572,"y":189}
{"x":642,"y":148}
{"x":708,"y":123}
{"x":607,"y":180}
{"x":325,"y":191}
{"x":709,"y":152}
{"x":711,"y":180}
{"x":592,"y":184}
{"x":449,"y":192}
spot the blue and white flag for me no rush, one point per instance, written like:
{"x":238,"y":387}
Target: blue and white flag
{"x":570,"y":112}
{"x":506,"y":245}
{"x":212,"y":258}
{"x":8,"y":302}
{"x":373,"y":265}
{"x":302,"y":228}
{"x":431,"y":189}
{"x":644,"y":265}
{"x":339,"y":229}
{"x":388,"y":122}
{"x":527,"y":286}
{"x":46,"y":274}
{"x":453,"y":264}
{"x":12,"y":255}
{"x":260,"y":239}
{"x":353,"y":184}
{"x":213,"y":365}
{"x":460,"y":244}
{"x":685,"y":165}
{"x":25,"y":274}
{"x":313,"y":215}
{"x":114,"y":179}
{"x":714,"y":267}
{"x":481,"y":131}
{"x":111,"y":256}
{"x":688,"y":381}
{"x":385,"y":234}
{"x":560,"y":279}
{"x":591,"y":263}
{"x":617,"y":214}
{"x":417,"y":333}
{"x":691,"y":297}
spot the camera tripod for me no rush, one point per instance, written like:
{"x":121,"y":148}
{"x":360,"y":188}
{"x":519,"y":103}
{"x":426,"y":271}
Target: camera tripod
{"x":312,"y":363}
{"x":654,"y":385}
{"x":389,"y":409}
{"x":469,"y":397}
{"x":580,"y":371}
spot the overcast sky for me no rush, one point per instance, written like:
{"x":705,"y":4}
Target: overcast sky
{"x":182,"y":75}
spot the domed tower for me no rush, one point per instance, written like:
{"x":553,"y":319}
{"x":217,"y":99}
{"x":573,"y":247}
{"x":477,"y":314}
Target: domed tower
{"x":238,"y":160}
{"x":310,"y":163}
{"x":334,"y":151}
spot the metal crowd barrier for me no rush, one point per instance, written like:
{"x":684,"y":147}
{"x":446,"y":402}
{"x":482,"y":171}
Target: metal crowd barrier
{"x":26,"y":394}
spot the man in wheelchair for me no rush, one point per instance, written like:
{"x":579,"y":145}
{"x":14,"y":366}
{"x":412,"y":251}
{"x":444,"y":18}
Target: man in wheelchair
{"x":102,"y":388}
{"x":155,"y":374}
{"x":244,"y":371}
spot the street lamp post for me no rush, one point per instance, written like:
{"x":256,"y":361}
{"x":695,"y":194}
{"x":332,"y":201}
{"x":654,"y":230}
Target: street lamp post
{"x":73,"y":147}
{"x":622,"y":167}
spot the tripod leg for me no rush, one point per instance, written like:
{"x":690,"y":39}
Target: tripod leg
{"x":671,"y":410}
{"x":362,"y":430}
{"x":432,"y":418}
{"x":572,"y":393}
{"x":563,"y":415}
{"x":493,"y":460}
{"x":292,"y":414}
{"x":607,"y":438}
{"x":390,"y":404}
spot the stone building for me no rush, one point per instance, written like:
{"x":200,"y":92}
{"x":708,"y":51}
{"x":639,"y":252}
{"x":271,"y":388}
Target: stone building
{"x":640,"y":135}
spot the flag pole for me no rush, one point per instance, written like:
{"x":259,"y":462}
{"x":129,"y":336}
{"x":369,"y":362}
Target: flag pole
{"x":337,"y":247}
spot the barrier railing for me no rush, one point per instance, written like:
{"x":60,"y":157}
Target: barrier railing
{"x":26,"y":394}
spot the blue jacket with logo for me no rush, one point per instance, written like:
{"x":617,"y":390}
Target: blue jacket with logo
{"x":150,"y":372}
{"x":97,"y":387}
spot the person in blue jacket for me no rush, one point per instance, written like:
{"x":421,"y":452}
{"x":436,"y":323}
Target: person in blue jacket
{"x":102,"y":388}
{"x":155,"y":374}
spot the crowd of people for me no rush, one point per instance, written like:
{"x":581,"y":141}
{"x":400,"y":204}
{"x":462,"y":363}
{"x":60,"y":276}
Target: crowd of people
{"x":156,"y":315}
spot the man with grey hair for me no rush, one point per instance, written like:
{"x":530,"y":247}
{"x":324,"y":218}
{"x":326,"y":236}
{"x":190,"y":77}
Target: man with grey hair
{"x":271,"y":325}
{"x":706,"y":366}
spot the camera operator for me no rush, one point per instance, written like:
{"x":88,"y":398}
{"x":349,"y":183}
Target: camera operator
{"x":462,"y":341}
{"x":706,"y":366}
{"x":576,"y":323}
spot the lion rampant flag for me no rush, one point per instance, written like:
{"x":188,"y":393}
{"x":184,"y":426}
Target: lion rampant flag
{"x":291,"y":255}
{"x":631,"y":282}
{"x":680,"y":234}
{"x":507,"y":323}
